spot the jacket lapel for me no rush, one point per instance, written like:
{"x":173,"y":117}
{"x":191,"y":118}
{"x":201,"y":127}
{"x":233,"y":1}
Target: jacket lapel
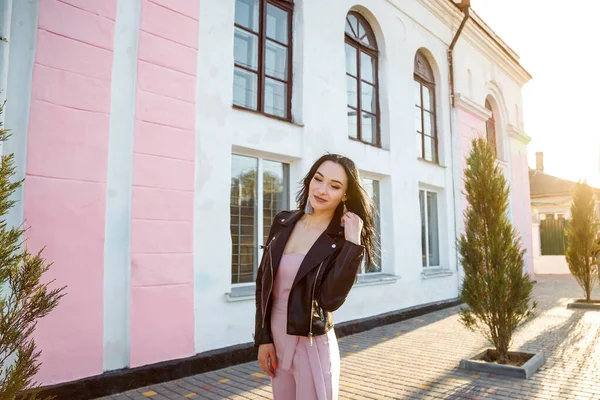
{"x":325,"y":245}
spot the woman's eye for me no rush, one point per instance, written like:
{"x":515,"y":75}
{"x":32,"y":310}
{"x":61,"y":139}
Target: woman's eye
{"x":336,"y":187}
{"x":317,"y":179}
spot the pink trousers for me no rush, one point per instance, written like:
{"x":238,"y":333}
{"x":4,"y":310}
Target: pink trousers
{"x":309,"y":372}
{"x":304,"y":371}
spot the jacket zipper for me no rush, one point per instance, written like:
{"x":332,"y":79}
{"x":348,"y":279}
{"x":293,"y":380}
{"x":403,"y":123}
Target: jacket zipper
{"x":272,"y":280}
{"x":312,"y":307}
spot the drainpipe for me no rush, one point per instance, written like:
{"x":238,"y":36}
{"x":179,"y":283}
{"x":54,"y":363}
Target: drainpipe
{"x":464,"y":6}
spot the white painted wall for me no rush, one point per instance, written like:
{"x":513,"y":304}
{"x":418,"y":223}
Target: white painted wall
{"x":319,"y":114}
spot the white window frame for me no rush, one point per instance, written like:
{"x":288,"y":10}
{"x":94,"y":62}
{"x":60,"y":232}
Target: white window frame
{"x":259,"y":213}
{"x":437,"y":194}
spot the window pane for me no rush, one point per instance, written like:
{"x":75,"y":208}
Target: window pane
{"x":417,"y":93}
{"x":245,"y":49}
{"x":423,"y":227}
{"x":372,"y":188}
{"x":352,"y":25}
{"x":276,"y":60}
{"x":433,"y":236}
{"x":418,"y":120}
{"x":352,"y":123}
{"x":244,"y":88}
{"x":246,"y":14}
{"x":352,"y":91}
{"x":427,"y":98}
{"x":351,"y":57}
{"x":275,"y":98}
{"x":368,"y":98}
{"x":368,"y":128}
{"x":420,"y":145}
{"x":243,"y":224}
{"x":367,"y":68}
{"x":275,"y":192}
{"x":428,"y":123}
{"x":277,"y":24}
{"x":429,"y":149}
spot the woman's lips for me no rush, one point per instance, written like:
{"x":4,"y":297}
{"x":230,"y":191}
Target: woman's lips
{"x":320,"y":200}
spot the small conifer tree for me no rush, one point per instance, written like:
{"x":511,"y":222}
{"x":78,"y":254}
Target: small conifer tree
{"x":581,"y":235}
{"x":495,"y":285}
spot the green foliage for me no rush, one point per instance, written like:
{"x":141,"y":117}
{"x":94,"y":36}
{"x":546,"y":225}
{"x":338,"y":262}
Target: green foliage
{"x":581,"y":238}
{"x":495,"y":286}
{"x":24,"y":298}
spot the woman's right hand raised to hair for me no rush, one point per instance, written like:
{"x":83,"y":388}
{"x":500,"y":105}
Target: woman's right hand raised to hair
{"x":267,"y":359}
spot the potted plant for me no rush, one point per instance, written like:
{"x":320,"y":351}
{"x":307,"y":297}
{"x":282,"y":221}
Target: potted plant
{"x":495,"y":287}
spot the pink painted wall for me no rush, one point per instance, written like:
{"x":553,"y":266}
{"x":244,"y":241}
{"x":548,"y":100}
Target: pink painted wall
{"x":162,"y":292}
{"x":65,"y":189}
{"x":469,"y":124}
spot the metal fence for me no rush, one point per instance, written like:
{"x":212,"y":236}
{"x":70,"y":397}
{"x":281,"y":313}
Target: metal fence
{"x":553,"y":236}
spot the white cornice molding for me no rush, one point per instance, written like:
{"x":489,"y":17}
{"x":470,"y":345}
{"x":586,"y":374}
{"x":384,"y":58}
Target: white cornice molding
{"x":481,"y":37}
{"x":469,"y":105}
{"x":518,"y":134}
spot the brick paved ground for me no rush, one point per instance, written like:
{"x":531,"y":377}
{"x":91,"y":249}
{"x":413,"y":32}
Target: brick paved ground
{"x":418,"y":359}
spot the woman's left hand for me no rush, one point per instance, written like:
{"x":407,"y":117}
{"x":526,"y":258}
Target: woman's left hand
{"x":353,"y":225}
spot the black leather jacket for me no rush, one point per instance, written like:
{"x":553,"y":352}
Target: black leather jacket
{"x":322,"y":283}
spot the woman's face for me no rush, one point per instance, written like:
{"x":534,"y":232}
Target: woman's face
{"x":328,"y":187}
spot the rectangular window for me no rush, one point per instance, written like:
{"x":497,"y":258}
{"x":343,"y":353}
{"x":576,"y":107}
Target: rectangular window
{"x":262,"y":55}
{"x":259,"y":190}
{"x":372,"y":188}
{"x":430,"y":242}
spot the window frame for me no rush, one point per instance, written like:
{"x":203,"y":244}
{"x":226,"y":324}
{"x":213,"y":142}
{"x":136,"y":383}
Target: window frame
{"x":259,"y":212}
{"x":287,"y":6}
{"x":428,"y":265}
{"x":430,"y":84}
{"x":374,"y":53}
{"x":490,"y":124}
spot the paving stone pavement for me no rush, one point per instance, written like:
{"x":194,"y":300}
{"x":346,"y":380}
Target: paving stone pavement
{"x":418,"y":359}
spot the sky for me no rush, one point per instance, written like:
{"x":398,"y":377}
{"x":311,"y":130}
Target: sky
{"x":558,"y":43}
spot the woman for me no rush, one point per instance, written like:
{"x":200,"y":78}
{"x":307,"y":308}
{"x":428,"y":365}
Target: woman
{"x":309,"y":264}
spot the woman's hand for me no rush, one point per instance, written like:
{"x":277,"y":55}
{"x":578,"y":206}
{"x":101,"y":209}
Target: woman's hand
{"x":267,"y":359}
{"x":353,"y":225}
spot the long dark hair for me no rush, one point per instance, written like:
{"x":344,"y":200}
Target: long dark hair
{"x":358,"y":200}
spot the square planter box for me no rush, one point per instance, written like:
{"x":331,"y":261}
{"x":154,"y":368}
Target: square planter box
{"x":532,"y":363}
{"x":582,"y":305}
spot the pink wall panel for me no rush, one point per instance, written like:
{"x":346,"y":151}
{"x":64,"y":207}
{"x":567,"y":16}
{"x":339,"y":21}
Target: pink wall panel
{"x":78,"y":24}
{"x":153,"y":48}
{"x":62,"y":140}
{"x":84,"y":93}
{"x":166,"y":141}
{"x":70,"y":55}
{"x":106,"y":9}
{"x":188,"y":8}
{"x":162,"y":322}
{"x":160,"y":80}
{"x":159,"y":21}
{"x":162,"y":204}
{"x":162,"y":296}
{"x":65,"y":187}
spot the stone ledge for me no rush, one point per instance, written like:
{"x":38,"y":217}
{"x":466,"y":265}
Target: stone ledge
{"x":525,"y":371}
{"x":580,"y":305}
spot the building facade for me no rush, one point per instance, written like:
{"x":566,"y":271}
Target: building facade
{"x":159,"y":138}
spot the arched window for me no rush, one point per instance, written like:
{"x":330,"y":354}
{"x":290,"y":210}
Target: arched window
{"x":425,"y":120}
{"x":490,"y":127}
{"x":361,"y":77}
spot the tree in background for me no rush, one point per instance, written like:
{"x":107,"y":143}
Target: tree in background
{"x":581,"y":235}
